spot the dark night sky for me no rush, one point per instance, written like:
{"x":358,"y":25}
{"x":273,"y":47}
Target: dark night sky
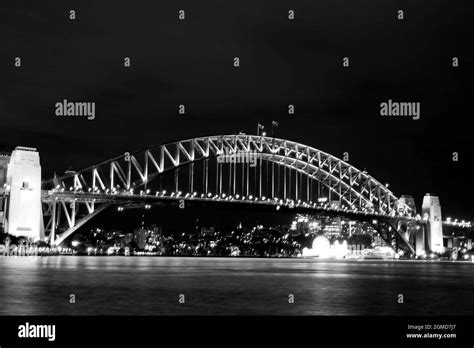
{"x":282,"y":62}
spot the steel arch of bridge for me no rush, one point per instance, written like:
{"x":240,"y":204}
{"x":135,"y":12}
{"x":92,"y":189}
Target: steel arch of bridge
{"x":100,"y":184}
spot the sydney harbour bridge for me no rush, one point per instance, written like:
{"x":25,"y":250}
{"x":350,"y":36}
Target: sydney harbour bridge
{"x":275,"y":174}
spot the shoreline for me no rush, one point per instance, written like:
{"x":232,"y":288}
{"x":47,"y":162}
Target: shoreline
{"x":332,"y":260}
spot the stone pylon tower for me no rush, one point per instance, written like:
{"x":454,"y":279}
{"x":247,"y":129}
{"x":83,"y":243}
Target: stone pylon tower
{"x":23,"y":194}
{"x":431,"y":210}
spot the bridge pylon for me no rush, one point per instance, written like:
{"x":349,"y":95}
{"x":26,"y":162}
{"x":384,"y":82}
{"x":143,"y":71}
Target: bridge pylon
{"x":23,"y":212}
{"x":431,"y":211}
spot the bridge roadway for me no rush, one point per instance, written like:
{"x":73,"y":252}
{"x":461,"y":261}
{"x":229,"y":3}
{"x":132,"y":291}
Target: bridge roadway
{"x":127,"y":200}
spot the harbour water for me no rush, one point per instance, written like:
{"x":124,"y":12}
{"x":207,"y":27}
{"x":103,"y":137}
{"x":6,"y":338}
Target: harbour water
{"x":232,"y":286}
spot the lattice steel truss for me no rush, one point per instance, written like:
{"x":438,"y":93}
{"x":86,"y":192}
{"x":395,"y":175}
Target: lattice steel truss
{"x":119,"y":179}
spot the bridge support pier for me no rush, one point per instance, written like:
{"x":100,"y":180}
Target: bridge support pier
{"x":23,"y":191}
{"x":393,"y":236}
{"x":431,"y":210}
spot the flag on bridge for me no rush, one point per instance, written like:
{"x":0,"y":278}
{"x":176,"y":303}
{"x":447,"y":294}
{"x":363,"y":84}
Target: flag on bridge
{"x":275,"y":123}
{"x":260,"y":126}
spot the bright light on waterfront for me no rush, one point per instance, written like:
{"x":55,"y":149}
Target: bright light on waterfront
{"x":321,"y":247}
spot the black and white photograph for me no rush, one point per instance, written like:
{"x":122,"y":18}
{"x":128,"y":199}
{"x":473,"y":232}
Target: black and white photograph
{"x":236,"y":172}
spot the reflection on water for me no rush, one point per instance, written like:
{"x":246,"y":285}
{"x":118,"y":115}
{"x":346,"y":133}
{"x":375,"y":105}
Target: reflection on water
{"x":231,"y":286}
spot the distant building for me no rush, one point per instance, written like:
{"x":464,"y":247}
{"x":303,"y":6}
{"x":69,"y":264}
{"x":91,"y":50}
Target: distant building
{"x":145,"y":236}
{"x":333,"y":228}
{"x":128,"y":238}
{"x":154,"y":235}
{"x":207,"y":231}
{"x":140,"y":237}
{"x":378,"y":241}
